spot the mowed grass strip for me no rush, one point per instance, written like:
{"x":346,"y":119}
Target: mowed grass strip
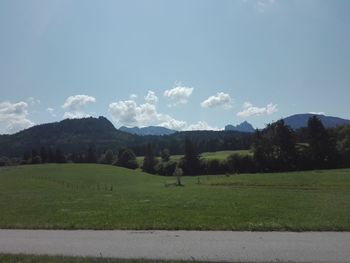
{"x":90,"y":196}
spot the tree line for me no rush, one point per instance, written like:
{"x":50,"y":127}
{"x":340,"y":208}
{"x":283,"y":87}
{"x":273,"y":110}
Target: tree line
{"x":275,"y":148}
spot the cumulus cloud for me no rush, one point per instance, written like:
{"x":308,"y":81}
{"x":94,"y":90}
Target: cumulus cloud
{"x":178,"y":95}
{"x":74,"y":106}
{"x":249,"y":110}
{"x":14,"y":116}
{"x":220,"y":99}
{"x":200,"y":126}
{"x":151,"y":97}
{"x":173,"y":124}
{"x":130,"y":113}
{"x":51,"y":111}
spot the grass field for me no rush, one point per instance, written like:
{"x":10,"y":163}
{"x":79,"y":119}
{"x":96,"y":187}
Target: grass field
{"x":89,"y":196}
{"x":220,"y":155}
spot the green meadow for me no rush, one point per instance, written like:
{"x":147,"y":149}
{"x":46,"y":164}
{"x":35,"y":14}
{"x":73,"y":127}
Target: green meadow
{"x":91,"y":196}
{"x":219,"y":155}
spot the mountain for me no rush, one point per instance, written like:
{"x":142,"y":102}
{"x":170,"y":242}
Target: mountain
{"x":70,"y":135}
{"x":243,"y":127}
{"x":300,"y":120}
{"x":150,"y":130}
{"x":77,"y":135}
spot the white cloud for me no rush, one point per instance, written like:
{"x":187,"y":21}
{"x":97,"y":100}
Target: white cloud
{"x":77,"y":101}
{"x":133,"y":96}
{"x":151,"y":97}
{"x":129,"y":113}
{"x":74,"y":106}
{"x":75,"y":115}
{"x":14,"y":116}
{"x":262,"y":5}
{"x":220,"y":99}
{"x":200,"y":126}
{"x":178,"y":95}
{"x":250,"y":110}
{"x":173,"y":124}
{"x":51,"y":111}
{"x":33,"y":101}
{"x":317,"y":113}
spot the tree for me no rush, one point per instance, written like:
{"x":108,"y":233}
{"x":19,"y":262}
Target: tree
{"x":284,"y":146}
{"x":4,"y":161}
{"x":190,"y":162}
{"x":59,"y":157}
{"x":149,"y":161}
{"x":274,"y":148}
{"x":50,"y":156}
{"x":178,"y":173}
{"x":238,"y":163}
{"x":344,"y":144}
{"x":165,"y":155}
{"x":108,"y":157}
{"x":126,"y":158}
{"x":322,"y":149}
{"x":91,"y":155}
{"x":43,"y":154}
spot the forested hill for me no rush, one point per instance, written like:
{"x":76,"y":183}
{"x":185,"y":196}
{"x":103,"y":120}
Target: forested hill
{"x":70,"y":135}
{"x":298,"y":121}
{"x":77,"y":135}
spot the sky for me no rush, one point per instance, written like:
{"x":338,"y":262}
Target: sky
{"x":184,"y":64}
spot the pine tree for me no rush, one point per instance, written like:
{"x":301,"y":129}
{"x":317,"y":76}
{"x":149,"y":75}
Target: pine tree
{"x":149,"y":161}
{"x":190,"y":162}
{"x":322,"y":149}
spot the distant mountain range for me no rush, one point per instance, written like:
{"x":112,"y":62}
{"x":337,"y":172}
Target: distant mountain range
{"x":298,"y":121}
{"x":77,"y":135}
{"x":243,"y":127}
{"x":150,"y":130}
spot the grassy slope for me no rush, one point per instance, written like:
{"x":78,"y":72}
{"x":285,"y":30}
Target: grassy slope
{"x":73,"y":196}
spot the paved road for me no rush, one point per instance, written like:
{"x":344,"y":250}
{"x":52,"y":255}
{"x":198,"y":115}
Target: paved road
{"x":187,"y":245}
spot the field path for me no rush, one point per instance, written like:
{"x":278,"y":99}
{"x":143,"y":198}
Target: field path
{"x":187,"y":245}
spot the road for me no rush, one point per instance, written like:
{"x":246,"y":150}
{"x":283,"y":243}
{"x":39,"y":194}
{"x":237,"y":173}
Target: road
{"x":183,"y":245}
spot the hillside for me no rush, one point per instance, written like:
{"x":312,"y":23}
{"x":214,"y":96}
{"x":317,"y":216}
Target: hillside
{"x":300,"y":120}
{"x":70,"y":135}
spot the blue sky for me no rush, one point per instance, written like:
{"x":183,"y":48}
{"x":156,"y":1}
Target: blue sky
{"x":180,"y":64}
